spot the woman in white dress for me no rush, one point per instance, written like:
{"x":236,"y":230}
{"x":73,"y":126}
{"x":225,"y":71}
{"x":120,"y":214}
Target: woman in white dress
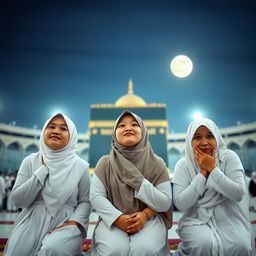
{"x":131,"y":192}
{"x":52,"y":188}
{"x":211,"y":191}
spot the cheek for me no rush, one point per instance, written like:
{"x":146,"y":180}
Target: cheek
{"x":117,"y":135}
{"x":66,"y":139}
{"x":194,"y":143}
{"x":45,"y":136}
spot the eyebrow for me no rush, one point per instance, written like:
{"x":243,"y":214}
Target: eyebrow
{"x":55,"y":124}
{"x":201,"y":134}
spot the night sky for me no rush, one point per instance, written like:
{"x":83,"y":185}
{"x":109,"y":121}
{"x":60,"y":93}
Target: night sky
{"x":67,"y":55}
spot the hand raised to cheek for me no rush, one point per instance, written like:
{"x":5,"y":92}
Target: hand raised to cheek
{"x":205,"y":161}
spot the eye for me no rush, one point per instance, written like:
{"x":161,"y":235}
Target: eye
{"x":135,"y":124}
{"x":51,"y":127}
{"x":196,"y":137}
{"x":120,"y":126}
{"x":64,"y":128}
{"x":210,"y":136}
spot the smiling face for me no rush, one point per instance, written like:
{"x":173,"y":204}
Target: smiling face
{"x":204,"y":140}
{"x":128,"y":131}
{"x":56,"y":134}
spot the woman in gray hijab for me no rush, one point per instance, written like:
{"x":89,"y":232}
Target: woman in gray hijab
{"x":131,"y":192}
{"x":211,"y":191}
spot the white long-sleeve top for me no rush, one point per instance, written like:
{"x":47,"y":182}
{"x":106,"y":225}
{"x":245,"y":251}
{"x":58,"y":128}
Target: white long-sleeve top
{"x":229,"y":214}
{"x":158,"y":198}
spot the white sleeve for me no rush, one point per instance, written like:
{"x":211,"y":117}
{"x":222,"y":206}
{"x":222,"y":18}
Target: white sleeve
{"x":186,"y":193}
{"x":26,"y":187}
{"x":83,"y":208}
{"x":230,"y":182}
{"x":158,"y":198}
{"x":101,"y":204}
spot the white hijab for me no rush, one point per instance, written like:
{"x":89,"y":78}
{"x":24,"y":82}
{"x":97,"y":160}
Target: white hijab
{"x":211,"y":198}
{"x":63,"y":177}
{"x":221,"y":148}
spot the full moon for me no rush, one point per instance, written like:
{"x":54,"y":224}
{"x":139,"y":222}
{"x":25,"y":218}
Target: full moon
{"x":181,"y":66}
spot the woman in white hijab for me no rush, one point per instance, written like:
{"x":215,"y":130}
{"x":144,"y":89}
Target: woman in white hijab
{"x":52,"y":188}
{"x":210,"y":190}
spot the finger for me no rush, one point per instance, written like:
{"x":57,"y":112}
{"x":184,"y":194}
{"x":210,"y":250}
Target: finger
{"x":133,"y":226}
{"x":134,"y":230}
{"x":130,"y":221}
{"x":133,"y":215}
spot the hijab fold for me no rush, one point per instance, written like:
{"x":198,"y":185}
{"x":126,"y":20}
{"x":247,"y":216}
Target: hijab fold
{"x":63,"y":176}
{"x":125,"y":169}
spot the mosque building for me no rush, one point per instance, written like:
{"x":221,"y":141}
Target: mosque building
{"x":103,"y":117}
{"x":17,"y":142}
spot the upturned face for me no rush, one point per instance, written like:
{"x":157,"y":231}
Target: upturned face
{"x":128,"y":131}
{"x":56,"y":134}
{"x":204,"y":140}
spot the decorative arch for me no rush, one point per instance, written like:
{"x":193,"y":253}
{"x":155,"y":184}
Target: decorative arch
{"x":31,"y":149}
{"x":249,"y":148}
{"x":2,"y":154}
{"x":235,"y":147}
{"x":14,"y":156}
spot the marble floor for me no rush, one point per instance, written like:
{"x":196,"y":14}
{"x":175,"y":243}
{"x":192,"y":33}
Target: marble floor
{"x":7,"y":217}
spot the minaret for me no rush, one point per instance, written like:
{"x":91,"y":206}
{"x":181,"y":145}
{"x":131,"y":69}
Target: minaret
{"x":130,"y":87}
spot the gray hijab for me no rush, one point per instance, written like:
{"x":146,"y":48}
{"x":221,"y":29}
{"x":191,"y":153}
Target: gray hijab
{"x":124,"y":169}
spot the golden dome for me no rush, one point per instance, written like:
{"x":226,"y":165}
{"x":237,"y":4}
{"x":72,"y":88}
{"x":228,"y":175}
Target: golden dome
{"x":130,"y":99}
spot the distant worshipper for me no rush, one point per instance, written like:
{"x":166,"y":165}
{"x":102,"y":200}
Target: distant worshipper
{"x":52,"y":188}
{"x":2,"y":190}
{"x":210,"y":189}
{"x":252,"y":185}
{"x":131,"y":192}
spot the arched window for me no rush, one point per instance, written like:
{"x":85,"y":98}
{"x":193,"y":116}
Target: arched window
{"x":85,"y":154}
{"x":250,"y":155}
{"x":2,"y":154}
{"x":235,"y":147}
{"x":14,"y":156}
{"x":173,"y":156}
{"x":31,"y":149}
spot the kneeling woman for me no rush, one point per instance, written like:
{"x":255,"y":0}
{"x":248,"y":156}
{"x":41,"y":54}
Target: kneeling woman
{"x":210,"y":190}
{"x":132,"y":194}
{"x":52,"y":188}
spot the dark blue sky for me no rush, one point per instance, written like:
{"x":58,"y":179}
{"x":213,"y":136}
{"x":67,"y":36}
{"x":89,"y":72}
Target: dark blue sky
{"x":68,"y":55}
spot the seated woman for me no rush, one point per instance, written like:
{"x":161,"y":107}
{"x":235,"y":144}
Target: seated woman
{"x":52,"y":188}
{"x":210,"y":190}
{"x":131,"y":192}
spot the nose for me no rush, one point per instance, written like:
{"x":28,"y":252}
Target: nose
{"x":204,"y":141}
{"x":55,"y":131}
{"x":128,"y":128}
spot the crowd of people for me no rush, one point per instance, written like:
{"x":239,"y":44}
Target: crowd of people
{"x":131,"y":192}
{"x":6,"y":185}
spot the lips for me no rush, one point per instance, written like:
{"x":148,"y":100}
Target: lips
{"x":206,"y":150}
{"x":55,"y":137}
{"x":128,"y":134}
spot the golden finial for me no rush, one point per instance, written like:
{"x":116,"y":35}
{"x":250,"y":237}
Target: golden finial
{"x":130,"y":87}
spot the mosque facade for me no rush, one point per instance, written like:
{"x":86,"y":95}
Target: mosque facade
{"x":103,"y":117}
{"x":18,"y":142}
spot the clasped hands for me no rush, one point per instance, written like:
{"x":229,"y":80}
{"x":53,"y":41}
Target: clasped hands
{"x":205,"y":162}
{"x":131,"y":223}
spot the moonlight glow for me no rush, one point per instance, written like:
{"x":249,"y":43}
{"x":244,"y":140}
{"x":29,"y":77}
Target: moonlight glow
{"x":181,"y":66}
{"x":197,"y":115}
